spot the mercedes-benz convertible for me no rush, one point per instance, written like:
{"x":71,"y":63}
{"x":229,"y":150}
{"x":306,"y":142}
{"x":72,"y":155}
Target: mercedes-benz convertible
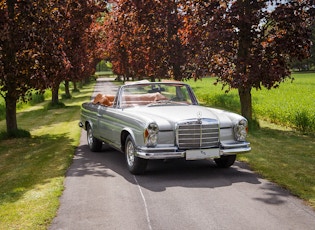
{"x":162,"y":120}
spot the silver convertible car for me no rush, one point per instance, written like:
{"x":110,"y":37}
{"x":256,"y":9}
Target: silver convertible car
{"x":162,"y":120}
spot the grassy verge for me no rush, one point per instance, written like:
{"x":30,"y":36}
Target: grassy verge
{"x":291,"y":105}
{"x":32,"y":169}
{"x":284,"y":157}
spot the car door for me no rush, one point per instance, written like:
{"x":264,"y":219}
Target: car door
{"x":109,"y":125}
{"x":104,"y":123}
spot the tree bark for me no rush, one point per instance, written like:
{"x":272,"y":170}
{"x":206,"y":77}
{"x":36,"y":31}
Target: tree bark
{"x":244,"y":90}
{"x":11,"y":121}
{"x":9,"y":63}
{"x":175,"y":52}
{"x":67,"y":90}
{"x":55,"y":95}
{"x":75,"y":86}
{"x":246,"y":102}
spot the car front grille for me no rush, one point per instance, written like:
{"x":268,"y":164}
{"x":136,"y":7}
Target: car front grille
{"x":202,"y":133}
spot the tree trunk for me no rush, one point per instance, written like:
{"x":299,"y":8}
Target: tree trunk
{"x":67,"y":90}
{"x":75,"y":86}
{"x":9,"y":63}
{"x":55,"y":95}
{"x":174,"y":43}
{"x":246,"y":102}
{"x":244,"y":90}
{"x":10,"y":102}
{"x":177,"y":72}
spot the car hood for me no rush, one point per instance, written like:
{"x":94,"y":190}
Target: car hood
{"x":166,"y":116}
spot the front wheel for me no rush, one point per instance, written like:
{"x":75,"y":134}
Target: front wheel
{"x":225,"y":161}
{"x":135,"y":164}
{"x":95,"y":144}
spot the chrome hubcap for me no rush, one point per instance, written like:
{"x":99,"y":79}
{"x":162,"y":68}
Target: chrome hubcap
{"x":130,"y":153}
{"x":90,"y":137}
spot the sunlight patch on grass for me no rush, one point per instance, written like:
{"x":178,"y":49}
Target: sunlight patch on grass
{"x":26,"y":214}
{"x":32,"y":169}
{"x":285,"y":157}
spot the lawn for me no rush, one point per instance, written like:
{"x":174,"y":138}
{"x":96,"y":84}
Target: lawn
{"x":291,"y":105}
{"x":284,"y":157}
{"x":32,"y":169}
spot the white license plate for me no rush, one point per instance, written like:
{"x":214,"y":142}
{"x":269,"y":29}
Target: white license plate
{"x":198,"y":154}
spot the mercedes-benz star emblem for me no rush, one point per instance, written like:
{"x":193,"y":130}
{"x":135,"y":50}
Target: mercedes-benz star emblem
{"x":199,"y":115}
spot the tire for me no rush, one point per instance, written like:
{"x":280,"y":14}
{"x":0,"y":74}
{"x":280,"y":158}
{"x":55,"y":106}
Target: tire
{"x":94,"y":144}
{"x":135,"y":164}
{"x":225,"y":161}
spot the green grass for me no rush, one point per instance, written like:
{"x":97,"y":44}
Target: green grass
{"x":32,"y":169}
{"x":105,"y":74}
{"x":291,"y":105}
{"x":284,"y":157}
{"x":36,"y":99}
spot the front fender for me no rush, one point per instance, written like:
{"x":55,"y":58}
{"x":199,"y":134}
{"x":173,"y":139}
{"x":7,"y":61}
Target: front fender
{"x":137,"y":137}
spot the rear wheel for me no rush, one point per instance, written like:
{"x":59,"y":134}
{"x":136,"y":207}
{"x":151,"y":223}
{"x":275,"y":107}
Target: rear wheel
{"x":225,"y":161}
{"x":135,"y":164}
{"x":95,"y":144}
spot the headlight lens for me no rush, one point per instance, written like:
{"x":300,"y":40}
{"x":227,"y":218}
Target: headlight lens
{"x":151,"y":135}
{"x":240,"y":130}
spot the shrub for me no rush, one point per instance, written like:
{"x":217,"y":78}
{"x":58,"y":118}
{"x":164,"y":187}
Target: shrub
{"x":304,"y":121}
{"x":225,"y":100}
{"x":2,"y":111}
{"x":37,"y":98}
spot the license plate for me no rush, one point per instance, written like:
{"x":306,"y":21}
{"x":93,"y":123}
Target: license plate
{"x":198,"y":154}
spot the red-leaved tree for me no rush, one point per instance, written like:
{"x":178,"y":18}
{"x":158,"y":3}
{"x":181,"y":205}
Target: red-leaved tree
{"x":143,"y":39}
{"x":80,"y":38}
{"x":43,"y":43}
{"x":31,"y":50}
{"x":246,"y":43}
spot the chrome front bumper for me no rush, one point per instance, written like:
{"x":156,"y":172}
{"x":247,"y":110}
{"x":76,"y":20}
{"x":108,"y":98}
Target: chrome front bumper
{"x":173,"y":152}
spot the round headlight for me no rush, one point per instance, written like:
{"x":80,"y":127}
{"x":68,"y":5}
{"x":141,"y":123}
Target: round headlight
{"x":240,"y":130}
{"x":151,"y":134}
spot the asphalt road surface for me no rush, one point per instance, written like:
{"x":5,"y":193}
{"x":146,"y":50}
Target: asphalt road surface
{"x":100,"y":193}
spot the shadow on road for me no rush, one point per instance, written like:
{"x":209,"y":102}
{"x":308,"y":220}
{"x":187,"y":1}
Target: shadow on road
{"x":160,"y":174}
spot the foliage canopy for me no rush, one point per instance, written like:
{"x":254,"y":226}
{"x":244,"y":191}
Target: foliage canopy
{"x":43,"y":43}
{"x":245,"y":43}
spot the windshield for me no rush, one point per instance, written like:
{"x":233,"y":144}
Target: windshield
{"x":156,"y":94}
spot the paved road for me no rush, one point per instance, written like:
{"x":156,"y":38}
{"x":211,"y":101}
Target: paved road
{"x":100,"y":193}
